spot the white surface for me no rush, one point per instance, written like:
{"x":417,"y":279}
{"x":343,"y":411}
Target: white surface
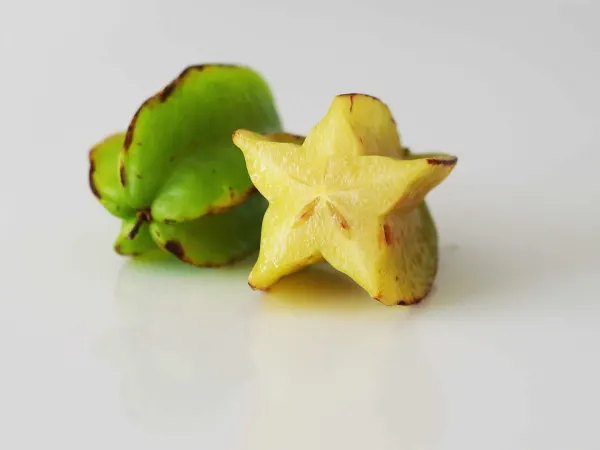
{"x":99,"y":352}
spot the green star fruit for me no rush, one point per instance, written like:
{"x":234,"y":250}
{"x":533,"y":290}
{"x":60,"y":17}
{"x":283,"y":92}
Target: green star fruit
{"x":175,"y":177}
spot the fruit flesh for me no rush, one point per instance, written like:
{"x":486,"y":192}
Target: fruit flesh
{"x":176,"y":179}
{"x":351,"y":195}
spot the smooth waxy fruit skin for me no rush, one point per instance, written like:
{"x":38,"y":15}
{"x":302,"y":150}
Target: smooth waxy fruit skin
{"x":176,"y":179}
{"x":350,"y":195}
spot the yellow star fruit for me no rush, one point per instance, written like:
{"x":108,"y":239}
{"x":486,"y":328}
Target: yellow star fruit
{"x":351,"y":195}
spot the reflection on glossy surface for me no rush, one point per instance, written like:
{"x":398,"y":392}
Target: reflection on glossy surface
{"x":304,"y":360}
{"x":326,"y":355}
{"x":322,"y":289}
{"x":179,"y":350}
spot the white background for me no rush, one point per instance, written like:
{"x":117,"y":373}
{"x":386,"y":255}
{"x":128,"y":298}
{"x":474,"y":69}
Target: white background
{"x":100,"y":352}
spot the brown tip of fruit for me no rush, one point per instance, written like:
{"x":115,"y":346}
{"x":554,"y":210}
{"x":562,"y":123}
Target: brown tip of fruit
{"x":175,"y":248}
{"x":414,"y":301}
{"x":242,"y":197}
{"x":441,"y":162}
{"x":129,"y":133}
{"x":351,"y":101}
{"x":119,"y":251}
{"x":201,"y":68}
{"x":128,"y":137}
{"x":122,"y":176}
{"x":255,"y":288}
{"x":172,"y":158}
{"x":91,"y":179}
{"x":164,"y":94}
{"x":195,"y":67}
{"x":167,"y":91}
{"x":355,"y":94}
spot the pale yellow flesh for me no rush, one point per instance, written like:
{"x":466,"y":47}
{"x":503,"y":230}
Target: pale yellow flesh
{"x":348,"y":196}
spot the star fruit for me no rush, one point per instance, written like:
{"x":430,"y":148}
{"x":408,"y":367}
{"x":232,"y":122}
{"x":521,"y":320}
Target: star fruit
{"x":174,"y":177}
{"x":350,"y":195}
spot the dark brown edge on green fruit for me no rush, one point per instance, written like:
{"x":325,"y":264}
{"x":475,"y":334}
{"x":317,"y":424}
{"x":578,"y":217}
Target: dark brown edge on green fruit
{"x":119,"y":252}
{"x":174,"y":247}
{"x":92,"y":170}
{"x":92,"y":182}
{"x":166,"y":92}
{"x":243,"y":197}
{"x":122,"y":176}
{"x":92,"y":161}
{"x":162,"y":97}
{"x":129,"y":133}
{"x":218,"y":209}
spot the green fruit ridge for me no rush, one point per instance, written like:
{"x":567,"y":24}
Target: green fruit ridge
{"x":176,"y":179}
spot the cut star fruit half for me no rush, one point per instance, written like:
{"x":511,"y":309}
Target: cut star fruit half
{"x":351,"y":195}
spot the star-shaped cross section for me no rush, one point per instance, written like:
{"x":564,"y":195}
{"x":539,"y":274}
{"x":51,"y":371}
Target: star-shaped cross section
{"x":351,"y":195}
